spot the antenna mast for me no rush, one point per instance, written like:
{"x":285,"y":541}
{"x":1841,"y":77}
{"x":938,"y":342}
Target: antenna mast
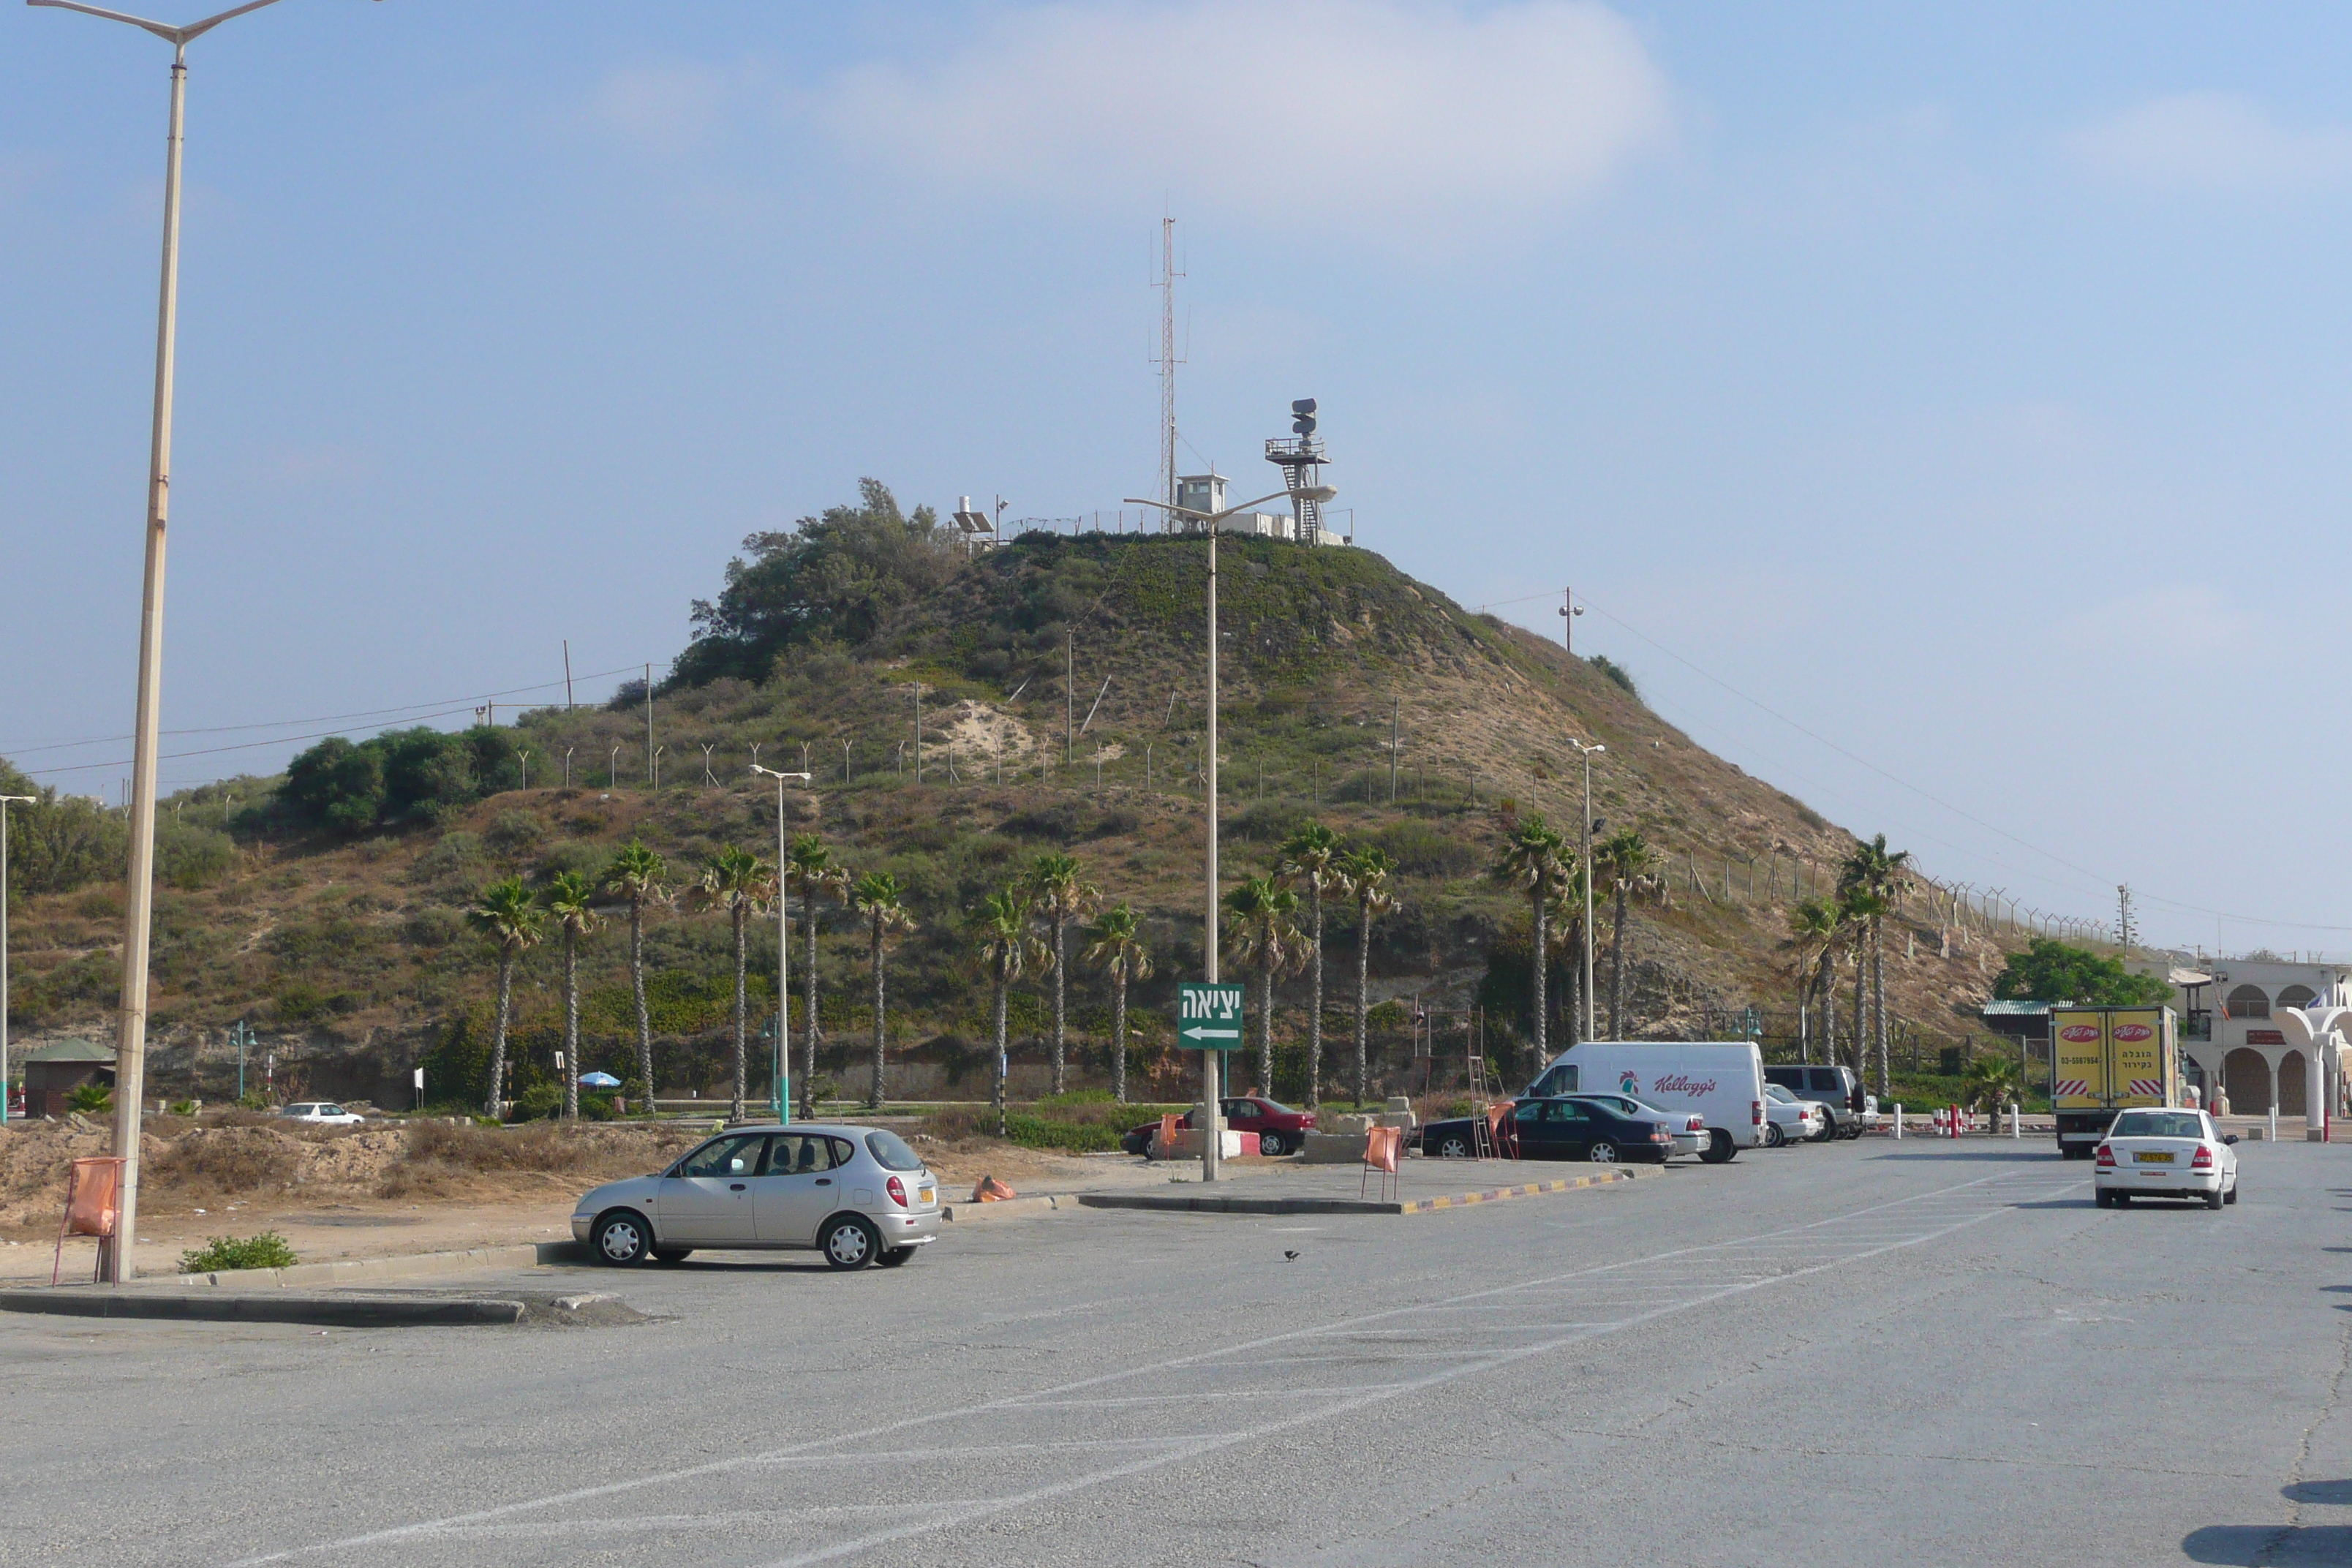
{"x":1168,"y":363}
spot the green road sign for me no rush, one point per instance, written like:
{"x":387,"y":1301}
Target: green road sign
{"x":1207,"y":1016}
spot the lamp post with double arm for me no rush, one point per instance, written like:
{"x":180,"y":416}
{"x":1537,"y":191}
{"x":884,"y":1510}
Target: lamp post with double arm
{"x":782,"y":1073}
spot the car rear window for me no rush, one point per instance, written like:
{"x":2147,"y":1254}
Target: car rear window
{"x":2159,"y":1124}
{"x":891,"y":1151}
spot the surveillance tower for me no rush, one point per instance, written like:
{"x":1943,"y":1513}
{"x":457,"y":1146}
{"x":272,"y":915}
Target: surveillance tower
{"x":1300,"y":458}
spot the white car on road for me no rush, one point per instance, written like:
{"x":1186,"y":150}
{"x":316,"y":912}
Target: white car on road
{"x":1788,"y":1119}
{"x":321,"y":1113}
{"x":2166,"y":1154}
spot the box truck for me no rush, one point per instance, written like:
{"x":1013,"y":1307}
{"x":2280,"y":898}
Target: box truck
{"x":2105,"y":1060}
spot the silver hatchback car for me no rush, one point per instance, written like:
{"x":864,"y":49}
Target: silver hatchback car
{"x":858,"y":1194}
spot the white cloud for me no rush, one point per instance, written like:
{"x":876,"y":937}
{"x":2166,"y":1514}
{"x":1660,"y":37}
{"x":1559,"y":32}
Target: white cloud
{"x":2213,"y":140}
{"x":1317,"y":113}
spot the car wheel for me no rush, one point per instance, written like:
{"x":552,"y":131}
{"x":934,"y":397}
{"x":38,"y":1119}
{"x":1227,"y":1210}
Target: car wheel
{"x":2103,"y":1198}
{"x":1603,"y":1153}
{"x":1273,"y":1145}
{"x":1719,"y":1148}
{"x":893,"y":1257}
{"x":672,"y":1254}
{"x":1453,"y":1146}
{"x":622,"y":1239}
{"x":2121,"y":1200}
{"x":849,"y":1242}
{"x":2215,"y":1199}
{"x":2232,"y":1197}
{"x":1773,"y":1137}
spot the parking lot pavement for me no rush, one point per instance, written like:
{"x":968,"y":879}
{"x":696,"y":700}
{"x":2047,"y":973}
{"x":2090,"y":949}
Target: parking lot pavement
{"x":1827,"y":1354}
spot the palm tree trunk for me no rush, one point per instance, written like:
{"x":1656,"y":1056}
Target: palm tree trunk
{"x":996,"y":1004}
{"x":1617,"y":970}
{"x":1266,"y":1025}
{"x":1315,"y":1005}
{"x":1363,"y":999}
{"x":1118,"y":1035}
{"x":645,"y":1014}
{"x":1829,"y":1005}
{"x":874,"y":1098}
{"x":1805,"y":1012}
{"x":1543,"y":959}
{"x":496,"y":1109}
{"x":571,"y":1026}
{"x":808,"y":989}
{"x":735,"y":1105}
{"x":1861,"y":1014}
{"x":1060,"y":1038}
{"x":1878,"y":1000}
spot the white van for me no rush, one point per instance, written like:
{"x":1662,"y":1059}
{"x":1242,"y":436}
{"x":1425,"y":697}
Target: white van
{"x":1722,"y":1081}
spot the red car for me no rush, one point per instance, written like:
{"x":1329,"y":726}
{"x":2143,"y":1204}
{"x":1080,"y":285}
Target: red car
{"x":1280,"y":1130}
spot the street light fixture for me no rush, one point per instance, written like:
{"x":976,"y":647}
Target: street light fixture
{"x":781,"y":1076}
{"x":115,"y":1260}
{"x":1586,"y":753}
{"x":1211,"y":1067}
{"x":6,"y":802}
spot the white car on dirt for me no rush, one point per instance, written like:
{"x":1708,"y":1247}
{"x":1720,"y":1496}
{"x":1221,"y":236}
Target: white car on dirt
{"x":321,"y":1113}
{"x":2158,"y":1153}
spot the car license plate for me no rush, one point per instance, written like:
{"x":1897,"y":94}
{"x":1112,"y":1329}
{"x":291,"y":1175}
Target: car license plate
{"x":2145,"y":1157}
{"x":926,"y":1195}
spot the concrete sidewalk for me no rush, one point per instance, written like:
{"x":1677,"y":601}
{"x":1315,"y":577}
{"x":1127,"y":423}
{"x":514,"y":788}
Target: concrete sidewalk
{"x":1419,"y":1186}
{"x":331,"y":1308}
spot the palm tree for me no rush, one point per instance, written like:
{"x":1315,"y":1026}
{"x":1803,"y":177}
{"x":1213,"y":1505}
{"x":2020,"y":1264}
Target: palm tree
{"x":1007,"y":947}
{"x":1311,"y":855}
{"x":1993,"y":1083}
{"x":568,"y":899}
{"x":1265,"y":931}
{"x":741,"y":883}
{"x":1537,"y":861}
{"x":1622,"y":862}
{"x":634,"y":876}
{"x":1862,"y":911}
{"x":1366,"y":871}
{"x":509,"y":917}
{"x":880,"y":903}
{"x":1812,"y":935}
{"x":1872,"y":869}
{"x":1054,"y":884}
{"x":811,"y":862}
{"x":1119,"y":950}
{"x":1567,"y":926}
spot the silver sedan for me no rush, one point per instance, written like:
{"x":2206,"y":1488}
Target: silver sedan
{"x":857,"y":1194}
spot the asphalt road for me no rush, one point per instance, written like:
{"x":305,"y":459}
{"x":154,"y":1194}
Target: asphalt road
{"x":1863,"y":1353}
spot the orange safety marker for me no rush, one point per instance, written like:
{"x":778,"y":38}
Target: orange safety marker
{"x":93,"y":1204}
{"x":992,"y":1191}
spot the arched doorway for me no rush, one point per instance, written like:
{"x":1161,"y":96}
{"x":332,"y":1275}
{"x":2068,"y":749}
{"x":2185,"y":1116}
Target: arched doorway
{"x":2246,"y":1078}
{"x":2291,"y":1085}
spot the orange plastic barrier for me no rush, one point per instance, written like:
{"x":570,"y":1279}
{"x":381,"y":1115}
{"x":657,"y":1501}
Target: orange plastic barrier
{"x":992,"y":1191}
{"x":1504,"y":1142}
{"x":93,"y":1204}
{"x":1381,"y":1149}
{"x":1167,"y":1137}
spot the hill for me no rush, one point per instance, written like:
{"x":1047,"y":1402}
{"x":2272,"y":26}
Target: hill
{"x":1060,"y":685}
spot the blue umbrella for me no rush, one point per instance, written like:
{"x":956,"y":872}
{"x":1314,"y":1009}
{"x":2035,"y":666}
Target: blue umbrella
{"x":599,"y":1080}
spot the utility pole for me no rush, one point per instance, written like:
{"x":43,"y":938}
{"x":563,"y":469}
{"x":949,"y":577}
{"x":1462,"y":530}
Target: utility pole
{"x":1069,"y":695}
{"x":781,"y":1076}
{"x":1568,"y":610}
{"x":649,"y":726}
{"x":6,"y":802}
{"x":1587,"y":753}
{"x":1168,"y":363}
{"x":2125,"y":930}
{"x":116,"y":1263}
{"x":1211,"y":1062}
{"x":1396,"y":748}
{"x":919,"y":732}
{"x":567,"y":675}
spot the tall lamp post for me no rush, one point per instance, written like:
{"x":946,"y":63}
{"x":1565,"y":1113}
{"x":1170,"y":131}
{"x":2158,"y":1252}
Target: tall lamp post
{"x":1211,"y":1067}
{"x":782,"y":1074}
{"x":6,"y":802}
{"x":1586,"y":989}
{"x":115,"y":1260}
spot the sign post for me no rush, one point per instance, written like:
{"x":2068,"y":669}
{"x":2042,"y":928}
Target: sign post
{"x":1209,"y":1016}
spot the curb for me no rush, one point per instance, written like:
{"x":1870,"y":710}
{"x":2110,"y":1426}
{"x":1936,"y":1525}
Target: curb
{"x":336,"y":1311}
{"x":356,"y":1270}
{"x":1171,"y":1205}
{"x":1008,"y":1208}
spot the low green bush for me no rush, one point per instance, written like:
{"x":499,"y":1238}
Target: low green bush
{"x":538,"y":1102}
{"x":267,"y":1250}
{"x":1067,"y":1137}
{"x":596,"y":1107}
{"x":91,"y":1100}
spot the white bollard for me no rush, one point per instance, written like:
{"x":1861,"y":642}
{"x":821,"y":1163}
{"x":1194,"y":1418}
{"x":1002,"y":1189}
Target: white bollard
{"x":2274,"y":1123}
{"x":1898,"y":1119}
{"x":2016,"y":1123}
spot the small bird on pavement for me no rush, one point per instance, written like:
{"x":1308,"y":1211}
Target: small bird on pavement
{"x":1288,"y":1256}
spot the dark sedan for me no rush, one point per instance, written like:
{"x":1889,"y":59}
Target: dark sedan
{"x":1557,"y":1129}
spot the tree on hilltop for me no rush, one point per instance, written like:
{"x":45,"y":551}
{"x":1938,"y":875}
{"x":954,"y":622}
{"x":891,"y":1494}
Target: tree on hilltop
{"x":2050,"y":971}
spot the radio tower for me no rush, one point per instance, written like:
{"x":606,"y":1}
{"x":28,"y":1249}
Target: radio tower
{"x":1168,"y":363}
{"x":2127,"y":930}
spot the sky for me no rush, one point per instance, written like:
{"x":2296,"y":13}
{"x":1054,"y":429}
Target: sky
{"x":1937,"y":409}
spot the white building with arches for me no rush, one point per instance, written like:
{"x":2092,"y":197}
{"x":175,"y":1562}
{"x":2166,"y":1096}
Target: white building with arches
{"x":2239,"y":1036}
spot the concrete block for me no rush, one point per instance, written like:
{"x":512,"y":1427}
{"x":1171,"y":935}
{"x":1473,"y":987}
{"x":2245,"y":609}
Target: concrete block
{"x":1353,"y":1126}
{"x":1188,"y":1146}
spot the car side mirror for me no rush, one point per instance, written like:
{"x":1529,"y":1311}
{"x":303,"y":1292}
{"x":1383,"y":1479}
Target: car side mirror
{"x":2231,"y":1138}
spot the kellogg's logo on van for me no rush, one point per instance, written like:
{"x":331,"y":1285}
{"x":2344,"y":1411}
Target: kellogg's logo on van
{"x":2132,"y":1031}
{"x":1681,"y":1083}
{"x":2080,"y":1034}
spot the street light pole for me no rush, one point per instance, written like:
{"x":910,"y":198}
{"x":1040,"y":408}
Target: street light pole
{"x":781,"y":1076}
{"x":1586,"y":751}
{"x":116,"y":1263}
{"x":1212,"y":1064}
{"x":6,"y":802}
